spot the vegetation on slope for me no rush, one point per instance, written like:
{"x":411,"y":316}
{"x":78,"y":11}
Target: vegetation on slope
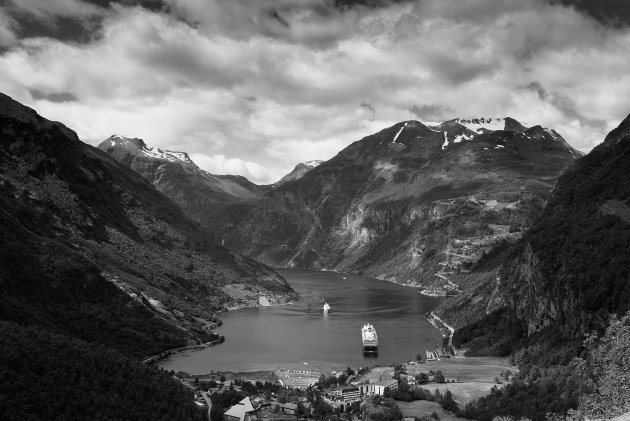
{"x":52,"y":376}
{"x":561,"y":282}
{"x":91,"y":249}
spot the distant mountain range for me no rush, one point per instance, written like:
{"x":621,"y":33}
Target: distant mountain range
{"x":216,"y":201}
{"x":410,"y":202}
{"x":92,"y":249}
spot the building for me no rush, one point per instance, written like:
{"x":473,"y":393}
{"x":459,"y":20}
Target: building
{"x":379,"y":388}
{"x":348,"y":393}
{"x":240,"y":412}
{"x":289,"y":408}
{"x":411,"y":380}
{"x":340,"y":398}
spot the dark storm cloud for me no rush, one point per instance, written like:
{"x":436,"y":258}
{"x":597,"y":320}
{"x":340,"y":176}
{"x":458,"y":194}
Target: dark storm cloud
{"x":609,"y":12}
{"x":53,"y":96}
{"x":153,"y":5}
{"x":67,"y":20}
{"x":348,"y":4}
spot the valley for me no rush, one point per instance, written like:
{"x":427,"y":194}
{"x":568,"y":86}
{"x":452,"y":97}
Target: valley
{"x":451,"y":215}
{"x":79,"y":227}
{"x":314,"y":210}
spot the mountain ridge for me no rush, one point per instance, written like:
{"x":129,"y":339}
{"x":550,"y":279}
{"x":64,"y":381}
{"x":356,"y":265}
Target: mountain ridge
{"x":90,"y":246}
{"x":390,"y":205}
{"x":215,"y":201}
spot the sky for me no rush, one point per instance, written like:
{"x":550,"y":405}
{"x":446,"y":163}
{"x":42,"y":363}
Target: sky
{"x":253,"y":87}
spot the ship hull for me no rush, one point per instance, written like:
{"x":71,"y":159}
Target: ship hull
{"x":370,"y":349}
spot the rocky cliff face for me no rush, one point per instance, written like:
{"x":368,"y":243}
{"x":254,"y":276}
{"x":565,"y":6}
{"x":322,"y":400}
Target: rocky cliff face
{"x":216,"y":201}
{"x":572,"y":269}
{"x":410,"y":202}
{"x":92,"y":249}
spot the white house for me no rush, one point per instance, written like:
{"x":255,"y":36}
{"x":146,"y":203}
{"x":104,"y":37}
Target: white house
{"x":240,"y":411}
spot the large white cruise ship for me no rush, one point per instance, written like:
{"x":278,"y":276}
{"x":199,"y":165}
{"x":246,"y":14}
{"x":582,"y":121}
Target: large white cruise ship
{"x":370,"y":339}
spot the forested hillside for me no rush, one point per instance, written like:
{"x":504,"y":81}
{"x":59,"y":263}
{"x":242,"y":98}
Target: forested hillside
{"x":48,"y":376}
{"x":563,"y":280}
{"x":90,"y":248}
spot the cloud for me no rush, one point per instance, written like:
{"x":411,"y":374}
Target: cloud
{"x":220,"y":164}
{"x":256,"y":87}
{"x":50,"y":10}
{"x":8,"y":26}
{"x":53,"y":96}
{"x":429,"y":112}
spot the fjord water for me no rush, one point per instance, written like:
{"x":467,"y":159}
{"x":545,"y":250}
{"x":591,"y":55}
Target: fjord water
{"x":271,"y":337}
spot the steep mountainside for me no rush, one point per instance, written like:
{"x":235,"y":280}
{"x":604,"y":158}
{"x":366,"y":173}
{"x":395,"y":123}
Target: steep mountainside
{"x":410,"y":201}
{"x":298,"y":172}
{"x":90,"y":248}
{"x":216,"y":201}
{"x":572,"y":269}
{"x":563,"y":280}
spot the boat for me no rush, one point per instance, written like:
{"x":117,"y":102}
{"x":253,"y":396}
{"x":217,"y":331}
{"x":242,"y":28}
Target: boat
{"x":326,"y":308}
{"x":370,"y":339}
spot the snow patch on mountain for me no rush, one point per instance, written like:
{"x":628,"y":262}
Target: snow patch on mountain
{"x":479,"y":124}
{"x":461,"y":137}
{"x":173,"y":156}
{"x":314,"y":163}
{"x":456,"y":139}
{"x":399,"y":132}
{"x":139,"y":147}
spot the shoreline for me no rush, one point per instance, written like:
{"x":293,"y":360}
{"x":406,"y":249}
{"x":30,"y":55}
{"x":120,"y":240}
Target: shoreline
{"x":154,"y":359}
{"x":264,"y":301}
{"x":469,"y":378}
{"x":414,"y":286}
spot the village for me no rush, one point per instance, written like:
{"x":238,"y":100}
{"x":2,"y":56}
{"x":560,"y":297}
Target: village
{"x":416,"y":390}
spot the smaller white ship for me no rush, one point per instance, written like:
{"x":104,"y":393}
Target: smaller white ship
{"x":326,"y":307}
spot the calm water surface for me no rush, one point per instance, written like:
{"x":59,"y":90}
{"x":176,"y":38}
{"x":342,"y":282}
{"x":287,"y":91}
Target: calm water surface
{"x":268,"y":337}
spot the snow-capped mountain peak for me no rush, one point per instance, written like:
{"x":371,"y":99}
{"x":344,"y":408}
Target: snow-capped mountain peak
{"x":137,"y":146}
{"x":483,"y":123}
{"x":299,"y":171}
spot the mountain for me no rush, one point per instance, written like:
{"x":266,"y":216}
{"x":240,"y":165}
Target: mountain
{"x":410,"y":202}
{"x":558,"y":285}
{"x":91,"y":249}
{"x":298,"y":172}
{"x":571,"y":269}
{"x":215,"y":201}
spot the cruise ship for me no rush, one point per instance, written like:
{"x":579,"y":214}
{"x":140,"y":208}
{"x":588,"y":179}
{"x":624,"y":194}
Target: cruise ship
{"x":370,"y":339}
